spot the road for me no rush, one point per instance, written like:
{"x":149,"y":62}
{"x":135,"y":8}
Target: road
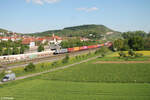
{"x":49,"y":59}
{"x":54,"y":69}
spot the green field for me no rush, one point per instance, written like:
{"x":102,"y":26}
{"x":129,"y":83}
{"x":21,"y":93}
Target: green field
{"x":87,"y":81}
{"x":91,"y":72}
{"x":39,"y":89}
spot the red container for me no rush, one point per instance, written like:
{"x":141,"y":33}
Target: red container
{"x":91,"y":47}
{"x":81,"y":48}
{"x":70,"y":49}
{"x":101,"y":44}
{"x":95,"y":46}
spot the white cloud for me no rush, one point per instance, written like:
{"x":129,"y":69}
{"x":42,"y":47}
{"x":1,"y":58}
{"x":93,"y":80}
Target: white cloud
{"x":41,"y":2}
{"x":51,"y":1}
{"x":88,"y":9}
{"x":27,"y":0}
{"x":38,"y":2}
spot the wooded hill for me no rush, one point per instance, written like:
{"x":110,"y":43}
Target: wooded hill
{"x":89,"y":31}
{"x":3,"y":30}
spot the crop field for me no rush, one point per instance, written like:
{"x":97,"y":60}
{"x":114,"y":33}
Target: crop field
{"x":87,"y":81}
{"x":112,"y":73}
{"x":145,"y":53}
{"x":39,"y":89}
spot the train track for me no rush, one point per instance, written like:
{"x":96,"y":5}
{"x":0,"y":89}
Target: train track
{"x":47,"y":59}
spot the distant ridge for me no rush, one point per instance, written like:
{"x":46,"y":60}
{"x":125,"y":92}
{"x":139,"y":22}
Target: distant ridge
{"x":3,"y":30}
{"x":81,"y":31}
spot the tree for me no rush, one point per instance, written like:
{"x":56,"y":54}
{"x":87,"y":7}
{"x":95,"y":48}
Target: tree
{"x":7,"y":51}
{"x":103,"y":51}
{"x":136,"y":43}
{"x":22,"y":49}
{"x":118,"y":44}
{"x":1,"y":50}
{"x":40,"y":48}
{"x":15,"y":50}
{"x":29,"y":67}
{"x":127,"y":35}
{"x":147,"y":43}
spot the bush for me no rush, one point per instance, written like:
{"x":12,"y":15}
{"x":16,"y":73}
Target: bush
{"x":122,"y":54}
{"x":55,"y":63}
{"x":2,"y":74}
{"x":138,"y":55}
{"x":76,"y":57}
{"x":42,"y":65}
{"x":103,"y":54}
{"x":40,"y":48}
{"x":66,"y":59}
{"x":29,"y":67}
{"x":131,"y":52}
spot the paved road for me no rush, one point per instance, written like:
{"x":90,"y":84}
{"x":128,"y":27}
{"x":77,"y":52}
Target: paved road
{"x":50,"y":59}
{"x":54,"y":69}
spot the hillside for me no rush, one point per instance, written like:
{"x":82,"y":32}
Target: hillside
{"x":3,"y":30}
{"x":89,"y":31}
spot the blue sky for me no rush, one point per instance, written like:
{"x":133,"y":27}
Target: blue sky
{"x":41,"y":15}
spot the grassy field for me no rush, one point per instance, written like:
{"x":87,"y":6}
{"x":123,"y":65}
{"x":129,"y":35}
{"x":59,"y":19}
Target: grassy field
{"x":87,"y":81}
{"x":39,"y":89}
{"x":49,"y":65}
{"x":91,"y":72}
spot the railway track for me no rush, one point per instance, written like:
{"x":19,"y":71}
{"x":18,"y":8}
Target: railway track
{"x":46,"y":59}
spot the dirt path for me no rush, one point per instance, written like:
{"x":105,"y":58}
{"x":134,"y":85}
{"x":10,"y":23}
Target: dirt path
{"x":55,"y":69}
{"x":120,"y":62}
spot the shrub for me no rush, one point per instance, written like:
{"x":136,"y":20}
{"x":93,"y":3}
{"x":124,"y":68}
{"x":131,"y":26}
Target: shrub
{"x":42,"y":65}
{"x":138,"y":55}
{"x":2,"y":74}
{"x":55,"y":63}
{"x":103,"y":54}
{"x":131,"y":52}
{"x":122,"y":54}
{"x":76,"y":57}
{"x":29,"y":67}
{"x":66,"y":59}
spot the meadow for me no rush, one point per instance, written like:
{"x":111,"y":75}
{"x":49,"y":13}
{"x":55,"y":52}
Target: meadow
{"x":39,"y":89}
{"x":86,"y":81}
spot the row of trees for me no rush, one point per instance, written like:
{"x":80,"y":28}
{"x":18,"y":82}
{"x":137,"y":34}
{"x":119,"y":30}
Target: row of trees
{"x":137,"y":40}
{"x":12,"y":48}
{"x":76,"y":43}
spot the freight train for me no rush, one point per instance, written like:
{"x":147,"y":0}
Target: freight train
{"x":23,"y":57}
{"x":30,"y":56}
{"x":74,"y":49}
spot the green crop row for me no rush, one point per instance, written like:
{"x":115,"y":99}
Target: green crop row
{"x":92,"y":72}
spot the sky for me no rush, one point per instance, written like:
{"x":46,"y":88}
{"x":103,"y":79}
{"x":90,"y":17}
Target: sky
{"x":29,"y":16}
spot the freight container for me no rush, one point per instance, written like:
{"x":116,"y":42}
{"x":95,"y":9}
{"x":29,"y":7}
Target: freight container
{"x":98,"y":45}
{"x":85,"y":47}
{"x":91,"y":47}
{"x":101,"y":44}
{"x":70,"y":49}
{"x":76,"y":48}
{"x":81,"y":48}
